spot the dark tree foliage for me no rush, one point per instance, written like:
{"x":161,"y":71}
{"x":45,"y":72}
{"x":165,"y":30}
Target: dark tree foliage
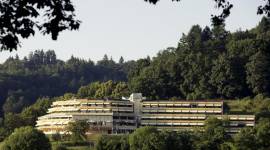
{"x":254,"y":138}
{"x":183,"y":140}
{"x":264,"y":9}
{"x":112,"y":142}
{"x":105,"y":90}
{"x":226,"y":7}
{"x":41,"y":74}
{"x":78,"y":130}
{"x":214,"y":135}
{"x":26,"y":138}
{"x":19,"y":18}
{"x":246,"y":139}
{"x":27,"y":117}
{"x":146,"y":138}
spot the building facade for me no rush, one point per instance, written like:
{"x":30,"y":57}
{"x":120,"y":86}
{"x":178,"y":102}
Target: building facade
{"x":124,"y":116}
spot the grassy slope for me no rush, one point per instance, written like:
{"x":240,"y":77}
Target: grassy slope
{"x":92,"y":138}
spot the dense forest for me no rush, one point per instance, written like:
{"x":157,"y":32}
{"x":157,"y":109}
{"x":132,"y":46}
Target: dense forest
{"x":41,"y":74}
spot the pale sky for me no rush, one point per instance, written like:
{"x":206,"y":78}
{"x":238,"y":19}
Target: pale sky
{"x":133,"y":28}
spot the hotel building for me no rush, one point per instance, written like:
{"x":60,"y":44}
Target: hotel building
{"x":124,"y":116}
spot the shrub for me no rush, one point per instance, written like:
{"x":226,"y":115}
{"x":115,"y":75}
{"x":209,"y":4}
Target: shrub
{"x":26,"y":138}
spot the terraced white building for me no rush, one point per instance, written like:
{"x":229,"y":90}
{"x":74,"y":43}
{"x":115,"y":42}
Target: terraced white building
{"x":121,"y":116}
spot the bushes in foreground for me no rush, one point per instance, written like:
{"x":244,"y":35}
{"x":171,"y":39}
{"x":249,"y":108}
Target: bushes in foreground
{"x":213,"y":137}
{"x":26,"y":138}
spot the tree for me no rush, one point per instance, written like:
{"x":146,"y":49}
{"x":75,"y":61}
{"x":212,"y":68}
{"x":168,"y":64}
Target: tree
{"x":214,"y":135}
{"x":18,"y":18}
{"x":105,"y":61}
{"x":206,"y":34}
{"x":105,"y":89}
{"x":23,"y":81}
{"x":26,"y":138}
{"x":78,"y":130}
{"x":88,"y":90}
{"x":12,"y":121}
{"x":178,"y":140}
{"x":258,"y":73}
{"x":15,"y":102}
{"x":263,"y":134}
{"x":147,"y":82}
{"x":109,"y":89}
{"x":226,"y":76}
{"x":194,"y":38}
{"x":112,"y":142}
{"x":159,"y":78}
{"x":3,"y":133}
{"x":31,"y":113}
{"x":138,"y":66}
{"x":245,"y":139}
{"x":120,"y":90}
{"x":264,"y":26}
{"x":121,"y":60}
{"x":146,"y":138}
